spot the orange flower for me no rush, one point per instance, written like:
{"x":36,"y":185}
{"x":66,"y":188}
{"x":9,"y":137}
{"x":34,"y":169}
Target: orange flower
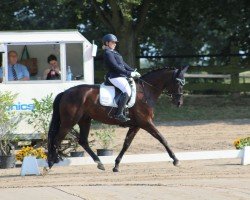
{"x":236,"y":142}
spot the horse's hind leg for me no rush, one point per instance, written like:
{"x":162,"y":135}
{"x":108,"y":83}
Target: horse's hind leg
{"x":156,"y":134}
{"x":129,"y":137}
{"x":84,"y":125}
{"x":63,"y":130}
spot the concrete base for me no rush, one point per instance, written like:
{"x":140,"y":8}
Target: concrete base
{"x":30,"y":166}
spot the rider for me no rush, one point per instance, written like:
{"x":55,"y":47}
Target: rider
{"x":118,"y":73}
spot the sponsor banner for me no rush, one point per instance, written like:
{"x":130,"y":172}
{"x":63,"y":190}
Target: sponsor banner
{"x":26,"y":92}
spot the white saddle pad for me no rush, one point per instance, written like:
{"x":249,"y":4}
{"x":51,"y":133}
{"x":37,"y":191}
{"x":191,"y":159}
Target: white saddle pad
{"x":107,"y":95}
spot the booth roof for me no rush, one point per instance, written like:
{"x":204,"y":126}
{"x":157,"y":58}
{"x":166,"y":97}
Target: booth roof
{"x":15,"y":37}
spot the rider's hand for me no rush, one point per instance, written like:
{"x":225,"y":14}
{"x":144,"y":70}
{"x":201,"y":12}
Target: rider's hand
{"x":135,"y":75}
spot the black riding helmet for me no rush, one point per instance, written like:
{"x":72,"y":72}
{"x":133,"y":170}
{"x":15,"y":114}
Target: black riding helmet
{"x":109,"y":38}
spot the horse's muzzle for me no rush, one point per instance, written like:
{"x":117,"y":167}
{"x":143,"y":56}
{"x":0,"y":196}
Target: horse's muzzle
{"x":177,"y":101}
{"x":179,"y":104}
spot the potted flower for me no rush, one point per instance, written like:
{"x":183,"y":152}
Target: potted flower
{"x":105,"y":137}
{"x":241,"y":143}
{"x":8,"y":123}
{"x":38,"y":153}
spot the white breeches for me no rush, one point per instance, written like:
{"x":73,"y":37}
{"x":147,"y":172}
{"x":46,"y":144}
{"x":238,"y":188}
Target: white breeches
{"x":122,"y":84}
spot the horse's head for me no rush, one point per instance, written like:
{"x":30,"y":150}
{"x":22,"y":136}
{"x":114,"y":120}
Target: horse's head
{"x":175,"y":89}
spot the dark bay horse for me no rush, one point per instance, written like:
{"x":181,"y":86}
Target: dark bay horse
{"x":80,"y":104}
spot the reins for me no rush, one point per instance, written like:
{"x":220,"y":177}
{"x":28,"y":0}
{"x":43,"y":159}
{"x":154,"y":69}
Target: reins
{"x":167,"y":92}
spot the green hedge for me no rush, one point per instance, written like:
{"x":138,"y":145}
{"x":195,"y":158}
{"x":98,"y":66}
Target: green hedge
{"x":217,"y":87}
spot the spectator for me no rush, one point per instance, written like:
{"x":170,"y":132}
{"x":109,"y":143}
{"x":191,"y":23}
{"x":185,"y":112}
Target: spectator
{"x":53,"y":72}
{"x":16,"y":71}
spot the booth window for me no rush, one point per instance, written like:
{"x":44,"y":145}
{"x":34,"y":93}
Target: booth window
{"x":35,"y":58}
{"x":74,"y":60}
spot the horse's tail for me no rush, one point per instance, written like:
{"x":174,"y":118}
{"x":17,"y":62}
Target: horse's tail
{"x":53,"y":129}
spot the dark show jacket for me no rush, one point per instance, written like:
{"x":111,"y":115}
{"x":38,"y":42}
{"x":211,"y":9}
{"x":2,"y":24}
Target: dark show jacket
{"x":117,"y":67}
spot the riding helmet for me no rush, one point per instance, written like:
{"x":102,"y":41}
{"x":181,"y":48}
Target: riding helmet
{"x":109,"y":38}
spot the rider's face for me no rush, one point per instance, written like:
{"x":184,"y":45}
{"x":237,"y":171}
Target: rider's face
{"x":112,"y":45}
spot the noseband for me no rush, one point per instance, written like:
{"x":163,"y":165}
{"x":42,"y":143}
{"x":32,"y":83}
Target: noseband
{"x":181,"y":81}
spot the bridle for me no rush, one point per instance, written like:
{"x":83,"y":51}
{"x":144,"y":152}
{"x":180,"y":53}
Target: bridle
{"x":182,"y":83}
{"x":170,"y":94}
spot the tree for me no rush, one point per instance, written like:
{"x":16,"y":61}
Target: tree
{"x":143,"y":27}
{"x":197,"y":27}
{"x":125,"y":19}
{"x":7,"y":14}
{"x":40,"y":15}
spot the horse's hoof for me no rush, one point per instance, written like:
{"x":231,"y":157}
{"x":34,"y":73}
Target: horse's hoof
{"x":100,"y":166}
{"x":45,"y":171}
{"x":50,"y":163}
{"x":176,"y":163}
{"x":57,"y":160}
{"x":115,"y":169}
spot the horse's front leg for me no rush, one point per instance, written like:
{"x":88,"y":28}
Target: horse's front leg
{"x":150,"y":127}
{"x":129,"y":137}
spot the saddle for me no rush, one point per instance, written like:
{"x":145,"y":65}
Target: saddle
{"x":109,"y":94}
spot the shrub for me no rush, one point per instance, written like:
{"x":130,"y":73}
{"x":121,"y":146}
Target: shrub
{"x":105,"y":136}
{"x":40,"y":116}
{"x":8,"y":123}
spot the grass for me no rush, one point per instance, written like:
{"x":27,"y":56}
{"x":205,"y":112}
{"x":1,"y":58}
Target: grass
{"x":204,"y":107}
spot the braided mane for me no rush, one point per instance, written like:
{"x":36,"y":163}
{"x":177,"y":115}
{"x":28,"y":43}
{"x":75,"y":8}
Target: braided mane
{"x":158,"y":69}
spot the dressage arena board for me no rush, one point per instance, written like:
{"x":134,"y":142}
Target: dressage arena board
{"x":243,"y":154}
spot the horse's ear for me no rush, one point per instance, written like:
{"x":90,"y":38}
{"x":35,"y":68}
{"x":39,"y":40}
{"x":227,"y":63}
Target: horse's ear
{"x":176,"y":73}
{"x":185,"y":70}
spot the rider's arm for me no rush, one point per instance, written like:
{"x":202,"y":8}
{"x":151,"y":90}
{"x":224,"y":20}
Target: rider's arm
{"x":111,"y":61}
{"x":128,"y":67}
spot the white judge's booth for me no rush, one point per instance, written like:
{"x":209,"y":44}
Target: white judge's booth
{"x":71,"y":49}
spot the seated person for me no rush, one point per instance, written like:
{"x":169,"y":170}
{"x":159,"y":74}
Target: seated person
{"x":53,"y":72}
{"x":16,"y":71}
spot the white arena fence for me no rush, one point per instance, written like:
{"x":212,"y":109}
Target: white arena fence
{"x":31,"y":165}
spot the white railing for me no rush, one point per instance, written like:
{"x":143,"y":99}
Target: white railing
{"x":243,"y":154}
{"x":30,"y":164}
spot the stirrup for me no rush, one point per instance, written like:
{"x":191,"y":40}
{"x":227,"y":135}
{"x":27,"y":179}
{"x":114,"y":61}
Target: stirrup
{"x":122,"y":118}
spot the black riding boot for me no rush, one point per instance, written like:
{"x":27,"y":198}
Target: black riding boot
{"x":121,"y":106}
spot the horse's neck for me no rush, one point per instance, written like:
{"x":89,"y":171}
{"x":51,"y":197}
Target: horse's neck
{"x":154,"y":85}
